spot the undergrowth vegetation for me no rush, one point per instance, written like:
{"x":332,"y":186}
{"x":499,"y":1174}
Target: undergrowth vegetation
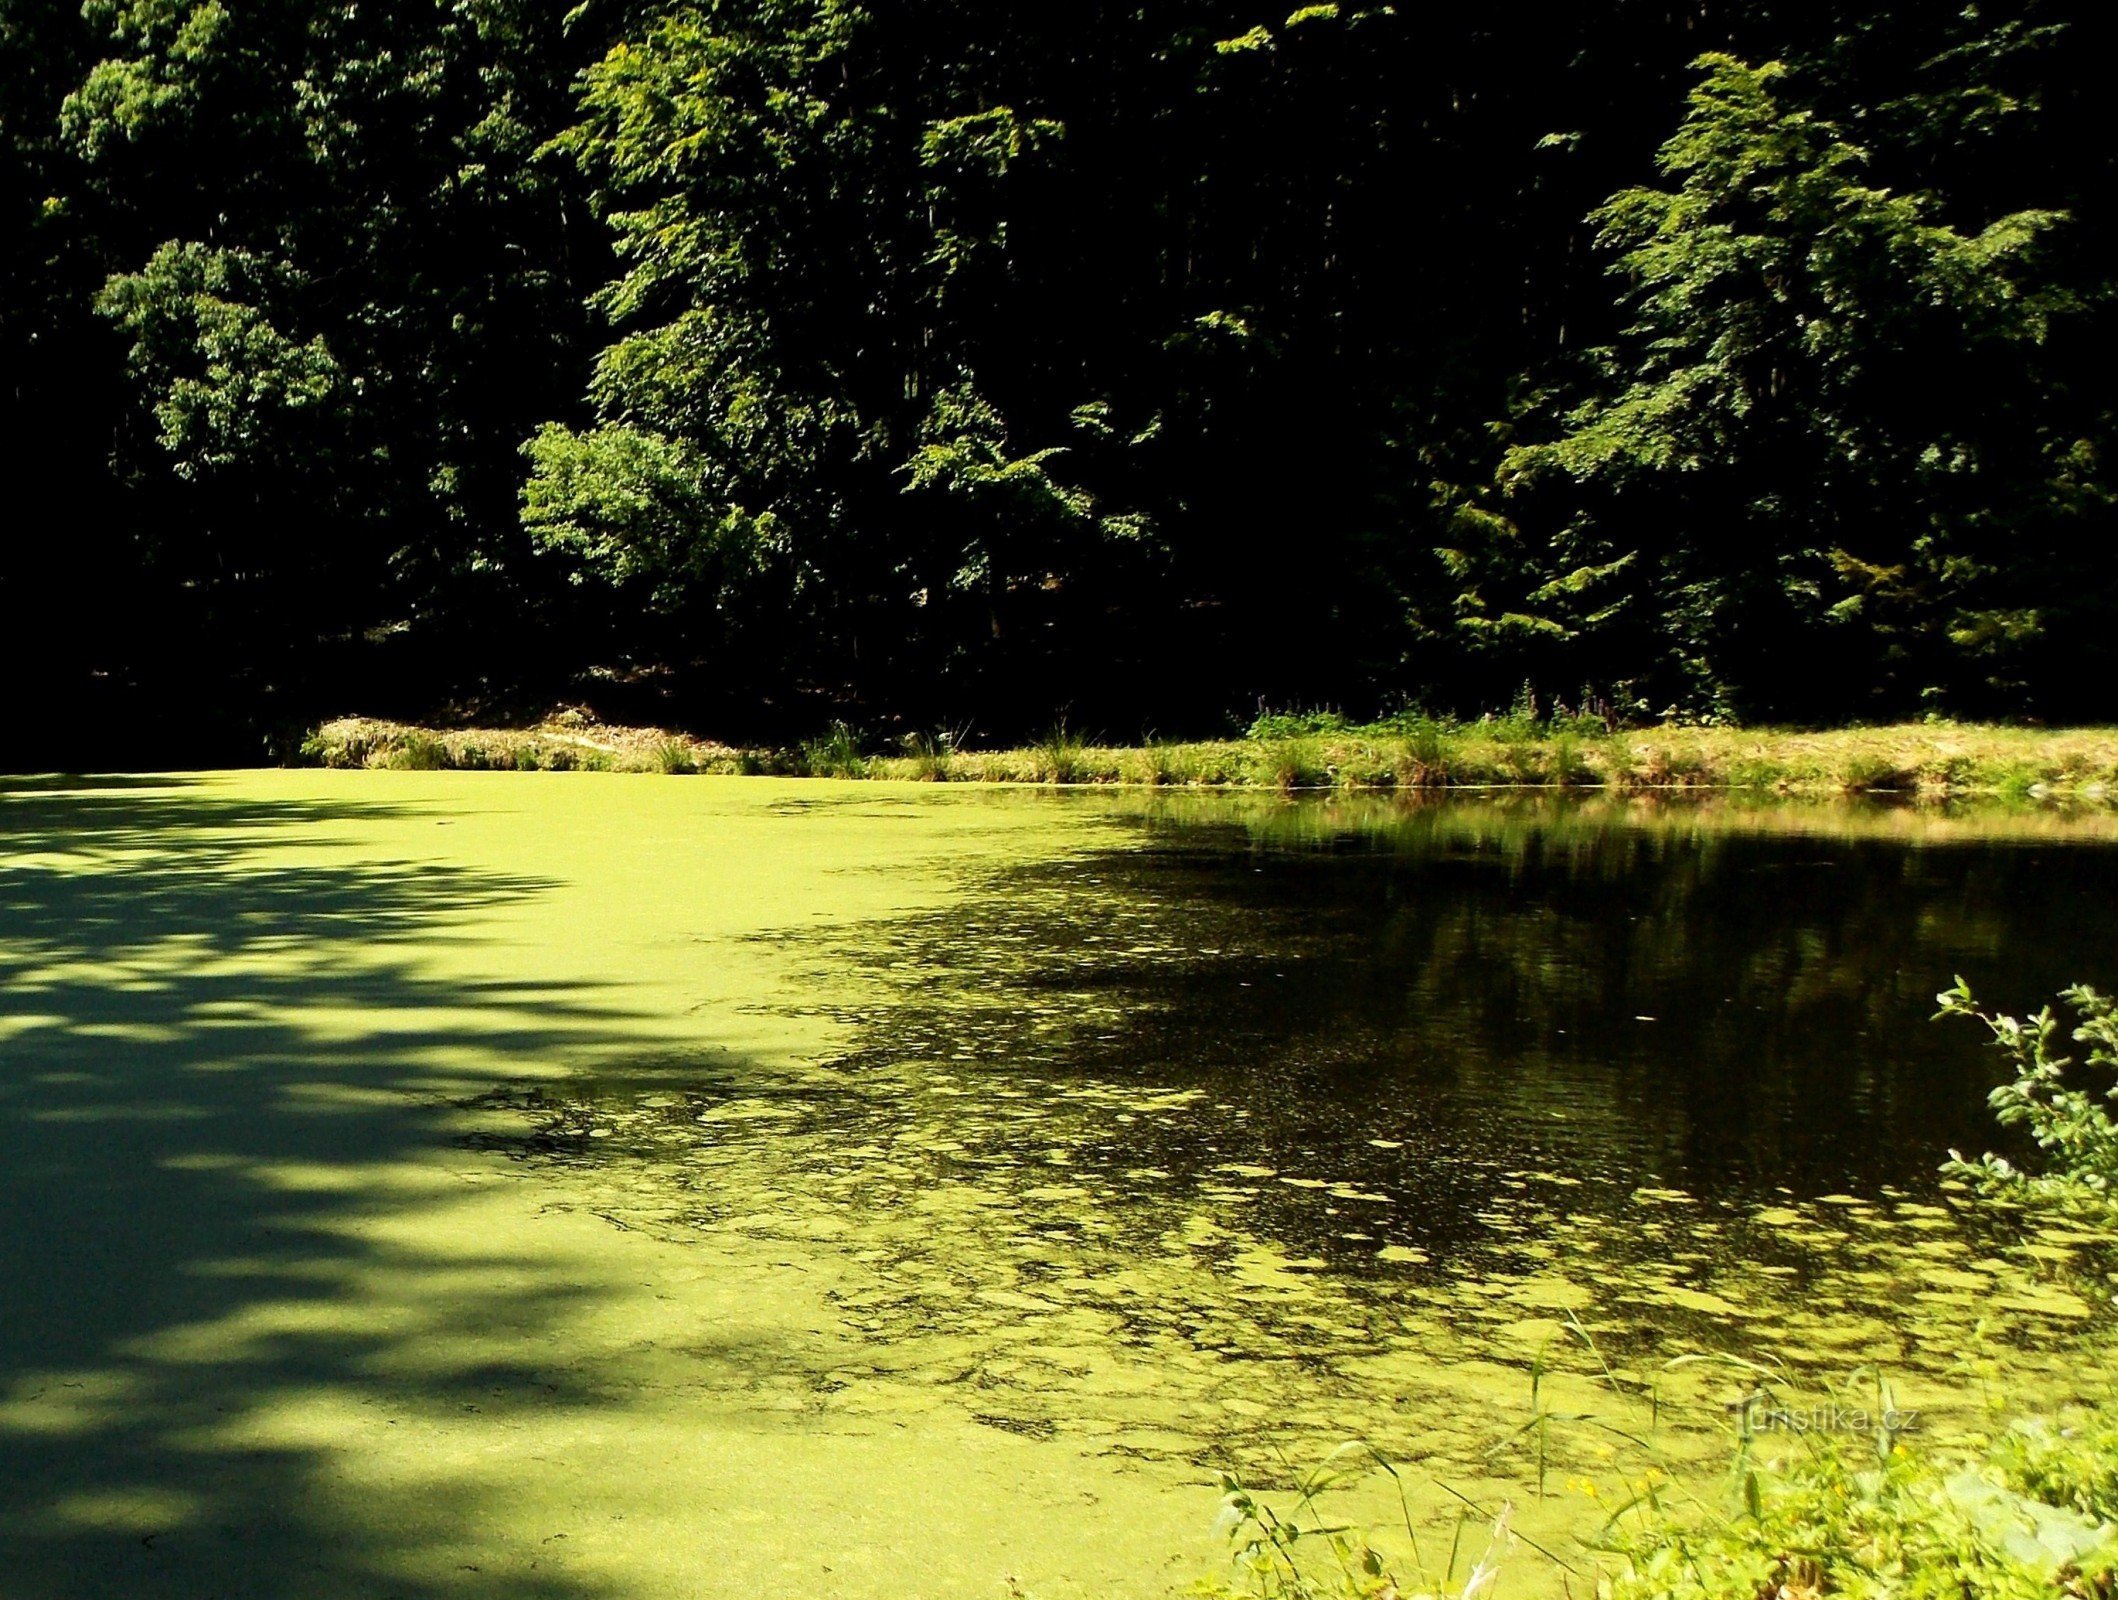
{"x":2061,"y":1102}
{"x":1526,"y":747}
{"x":836,"y":754}
{"x":1305,"y":1553}
{"x":2030,"y":1510}
{"x":2028,"y":1515}
{"x":1869,"y":1520}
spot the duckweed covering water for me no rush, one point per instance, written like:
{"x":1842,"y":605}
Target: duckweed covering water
{"x":441,"y":1183}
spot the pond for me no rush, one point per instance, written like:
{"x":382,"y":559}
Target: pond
{"x":570,"y":1184}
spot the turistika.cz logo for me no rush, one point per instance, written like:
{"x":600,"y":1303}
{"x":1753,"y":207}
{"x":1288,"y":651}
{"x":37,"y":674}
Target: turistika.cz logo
{"x":1830,"y":1417}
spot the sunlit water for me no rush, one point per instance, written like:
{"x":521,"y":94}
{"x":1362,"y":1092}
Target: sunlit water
{"x":1302,"y":1107}
{"x":1151,"y":1135}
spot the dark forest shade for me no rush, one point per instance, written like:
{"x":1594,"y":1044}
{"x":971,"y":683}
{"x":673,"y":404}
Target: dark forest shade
{"x":994,"y":363}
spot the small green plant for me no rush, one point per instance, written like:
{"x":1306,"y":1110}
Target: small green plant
{"x":1864,"y":773}
{"x":1163,"y":763}
{"x":1751,"y":772}
{"x":2071,"y":1460}
{"x":931,"y":756}
{"x":1877,"y":1518}
{"x":1519,"y":723}
{"x":2069,"y":1119}
{"x":1565,"y":765}
{"x":420,"y":752}
{"x":1301,"y":1554}
{"x":1295,"y":762}
{"x":1363,"y":764}
{"x":673,"y":756}
{"x":1674,"y":766}
{"x":1592,"y":715}
{"x":1425,"y":762}
{"x":1271,"y":725}
{"x":1059,"y":756}
{"x":836,"y":754}
{"x":1845,"y":1519}
{"x":1940,"y":774}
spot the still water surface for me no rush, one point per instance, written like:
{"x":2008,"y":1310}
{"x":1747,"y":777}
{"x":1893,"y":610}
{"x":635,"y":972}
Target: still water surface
{"x":1152,"y":1134}
{"x":1305,"y":1099}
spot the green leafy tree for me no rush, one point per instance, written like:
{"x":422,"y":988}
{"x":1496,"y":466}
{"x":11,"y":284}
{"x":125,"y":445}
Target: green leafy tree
{"x":1828,"y":432}
{"x":230,"y":389}
{"x":343,"y":289}
{"x":793,"y":448}
{"x":1006,"y":363}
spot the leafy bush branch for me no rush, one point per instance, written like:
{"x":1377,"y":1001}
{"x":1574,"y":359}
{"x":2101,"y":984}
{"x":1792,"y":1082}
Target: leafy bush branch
{"x":2064,"y":1102}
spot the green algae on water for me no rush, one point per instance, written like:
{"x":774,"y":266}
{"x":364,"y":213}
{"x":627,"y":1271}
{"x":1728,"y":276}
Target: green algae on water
{"x":558,"y":1185}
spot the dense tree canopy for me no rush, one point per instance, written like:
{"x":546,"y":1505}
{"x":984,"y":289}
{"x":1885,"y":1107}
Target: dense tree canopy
{"x":939,"y":363}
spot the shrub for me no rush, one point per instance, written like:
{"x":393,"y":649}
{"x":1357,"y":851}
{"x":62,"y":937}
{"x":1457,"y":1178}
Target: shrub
{"x":1566,"y":766}
{"x":2071,"y":1461}
{"x":1059,"y":756}
{"x":1161,"y":763}
{"x":1865,"y":1524}
{"x":2067,"y":1117}
{"x":1864,"y":773}
{"x":1520,"y":723}
{"x":834,"y":755}
{"x":1295,"y":762}
{"x":1941,"y":774}
{"x":931,"y":756}
{"x":1272,"y":725}
{"x":1364,"y":765}
{"x":1425,"y":760}
{"x":420,"y":752}
{"x":1753,"y":772}
{"x":1673,"y":766}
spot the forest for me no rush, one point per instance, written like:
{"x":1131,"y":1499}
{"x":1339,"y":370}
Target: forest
{"x":754,"y":365}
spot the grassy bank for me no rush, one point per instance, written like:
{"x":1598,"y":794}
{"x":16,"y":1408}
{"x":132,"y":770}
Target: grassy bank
{"x":1930,"y":760}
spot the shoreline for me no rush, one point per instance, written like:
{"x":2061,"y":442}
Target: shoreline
{"x":1923,"y":761}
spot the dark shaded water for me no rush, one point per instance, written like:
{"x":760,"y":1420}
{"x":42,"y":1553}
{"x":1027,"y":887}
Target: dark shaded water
{"x":1729,"y":1011}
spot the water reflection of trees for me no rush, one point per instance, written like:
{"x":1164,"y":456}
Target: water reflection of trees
{"x":1470,"y":982}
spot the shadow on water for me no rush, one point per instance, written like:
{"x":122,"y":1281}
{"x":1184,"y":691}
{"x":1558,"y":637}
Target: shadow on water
{"x":219,"y":1081}
{"x":1736,"y":1012}
{"x":76,"y":784}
